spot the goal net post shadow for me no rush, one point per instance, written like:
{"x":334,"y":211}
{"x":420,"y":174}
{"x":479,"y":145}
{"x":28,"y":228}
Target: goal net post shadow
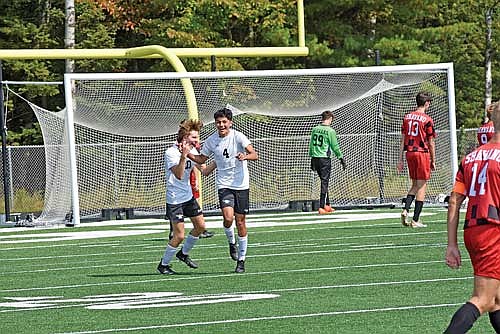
{"x":106,"y":149}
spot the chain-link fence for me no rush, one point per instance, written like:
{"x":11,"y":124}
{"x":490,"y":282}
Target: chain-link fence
{"x":25,"y":177}
{"x":26,"y":173}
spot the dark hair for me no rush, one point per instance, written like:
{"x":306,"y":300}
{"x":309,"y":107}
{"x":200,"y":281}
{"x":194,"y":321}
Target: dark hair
{"x":422,"y":98}
{"x":495,"y":116}
{"x":489,"y":110}
{"x":187,"y":126}
{"x":224,"y":112}
{"x":326,"y":115}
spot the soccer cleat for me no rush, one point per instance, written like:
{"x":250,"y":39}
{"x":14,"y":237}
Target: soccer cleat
{"x":207,"y":234}
{"x":322,"y":211}
{"x":415,"y":224}
{"x":165,"y":270}
{"x":233,"y":251}
{"x":240,"y":267}
{"x":404,"y":216}
{"x":186,"y":259}
{"x":329,"y":209}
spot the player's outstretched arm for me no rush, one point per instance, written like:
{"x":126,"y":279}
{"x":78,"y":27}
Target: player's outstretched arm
{"x":207,"y":169}
{"x":199,"y":159}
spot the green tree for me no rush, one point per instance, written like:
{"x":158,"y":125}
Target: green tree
{"x":340,"y":33}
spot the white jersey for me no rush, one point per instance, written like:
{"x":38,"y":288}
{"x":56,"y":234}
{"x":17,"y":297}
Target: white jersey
{"x":231,"y":172}
{"x":178,"y":191}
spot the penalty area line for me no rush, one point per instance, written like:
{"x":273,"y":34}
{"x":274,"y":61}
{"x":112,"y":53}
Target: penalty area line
{"x":280,"y":317}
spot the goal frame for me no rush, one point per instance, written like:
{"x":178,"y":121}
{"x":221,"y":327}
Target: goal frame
{"x":70,"y":126}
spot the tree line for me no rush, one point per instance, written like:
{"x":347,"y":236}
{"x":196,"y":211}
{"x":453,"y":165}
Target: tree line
{"x":339,"y":33}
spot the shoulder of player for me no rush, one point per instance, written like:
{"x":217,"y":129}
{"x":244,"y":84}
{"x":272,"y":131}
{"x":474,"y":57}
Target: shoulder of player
{"x":239,"y":134}
{"x":172,"y":150}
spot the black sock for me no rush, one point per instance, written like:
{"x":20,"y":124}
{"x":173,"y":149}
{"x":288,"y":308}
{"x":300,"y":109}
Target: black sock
{"x":418,"y":210}
{"x":409,"y":200}
{"x":495,"y":320}
{"x":463,"y":319}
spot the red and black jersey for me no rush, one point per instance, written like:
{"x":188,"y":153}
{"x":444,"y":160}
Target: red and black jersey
{"x":417,"y":128}
{"x":485,"y":132}
{"x":478,"y":177}
{"x":193,"y":180}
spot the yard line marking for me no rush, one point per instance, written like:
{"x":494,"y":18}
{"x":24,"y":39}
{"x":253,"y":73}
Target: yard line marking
{"x":208,"y":246}
{"x":222,"y":258}
{"x":280,"y":317}
{"x":77,"y":235}
{"x":203,"y":276}
{"x":299,"y":289}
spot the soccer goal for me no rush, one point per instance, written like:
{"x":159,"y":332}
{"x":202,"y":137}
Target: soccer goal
{"x":106,"y":149}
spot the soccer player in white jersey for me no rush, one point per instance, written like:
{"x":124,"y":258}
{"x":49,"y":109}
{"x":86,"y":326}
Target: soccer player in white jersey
{"x":180,"y":200}
{"x":230,"y":149}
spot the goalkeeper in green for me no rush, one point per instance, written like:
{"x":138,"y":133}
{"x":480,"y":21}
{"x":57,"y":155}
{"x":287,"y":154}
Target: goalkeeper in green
{"x":321,"y":145}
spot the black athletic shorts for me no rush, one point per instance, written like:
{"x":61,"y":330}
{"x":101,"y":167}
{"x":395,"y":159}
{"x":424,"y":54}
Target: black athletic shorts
{"x":177,"y":212}
{"x":237,"y":199}
{"x":323,"y":166}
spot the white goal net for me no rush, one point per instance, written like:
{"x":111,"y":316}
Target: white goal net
{"x":107,"y":149}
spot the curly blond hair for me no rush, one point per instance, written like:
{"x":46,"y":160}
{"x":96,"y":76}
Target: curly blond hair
{"x":187,"y":126}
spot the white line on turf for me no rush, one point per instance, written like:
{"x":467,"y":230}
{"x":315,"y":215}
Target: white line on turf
{"x":85,"y":303}
{"x":76,"y":235}
{"x":279,"y":317}
{"x":302,"y":252}
{"x":205,"y":276}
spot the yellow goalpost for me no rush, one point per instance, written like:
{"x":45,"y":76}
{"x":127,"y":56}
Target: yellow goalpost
{"x":172,"y":55}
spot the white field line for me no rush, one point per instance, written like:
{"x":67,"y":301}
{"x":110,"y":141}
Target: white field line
{"x":157,"y":220}
{"x":277,"y":220}
{"x":308,"y":228}
{"x":207,"y":218}
{"x":205,"y":276}
{"x":298,"y":289}
{"x":155,"y":248}
{"x":279,"y":317}
{"x":301,"y":253}
{"x":56,"y":237}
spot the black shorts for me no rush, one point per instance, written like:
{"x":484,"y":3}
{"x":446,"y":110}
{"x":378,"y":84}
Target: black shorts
{"x":322,"y":166}
{"x":177,"y":212}
{"x":237,"y":199}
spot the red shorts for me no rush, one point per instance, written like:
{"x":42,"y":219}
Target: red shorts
{"x":483,"y":245}
{"x":419,"y":165}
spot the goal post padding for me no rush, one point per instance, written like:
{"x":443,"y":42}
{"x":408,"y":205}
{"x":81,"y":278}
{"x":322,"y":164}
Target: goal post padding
{"x":123,"y":123}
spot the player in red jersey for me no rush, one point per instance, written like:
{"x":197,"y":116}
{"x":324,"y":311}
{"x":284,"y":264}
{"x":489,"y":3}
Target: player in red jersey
{"x":487,"y":130}
{"x":418,"y":141}
{"x":195,"y":187}
{"x":479,"y":179}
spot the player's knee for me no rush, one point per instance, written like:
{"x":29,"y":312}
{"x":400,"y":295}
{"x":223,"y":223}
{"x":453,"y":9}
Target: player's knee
{"x":484,"y":303}
{"x":179,"y":237}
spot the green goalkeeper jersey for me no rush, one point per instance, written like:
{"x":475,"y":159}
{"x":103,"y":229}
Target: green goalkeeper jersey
{"x":323,"y":142}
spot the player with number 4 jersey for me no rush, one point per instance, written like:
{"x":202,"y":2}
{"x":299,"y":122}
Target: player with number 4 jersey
{"x":231,"y":150}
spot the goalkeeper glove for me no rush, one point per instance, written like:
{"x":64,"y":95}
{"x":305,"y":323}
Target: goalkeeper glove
{"x":342,"y":162}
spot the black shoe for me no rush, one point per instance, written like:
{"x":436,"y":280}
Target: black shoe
{"x":186,"y":259}
{"x":206,"y":234}
{"x":240,"y":267}
{"x":165,"y":270}
{"x":233,"y":251}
